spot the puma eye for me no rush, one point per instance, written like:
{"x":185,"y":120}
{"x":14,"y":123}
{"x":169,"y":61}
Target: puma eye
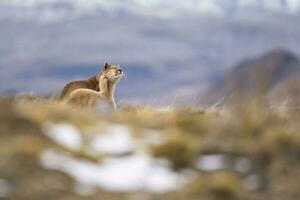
{"x":120,"y":70}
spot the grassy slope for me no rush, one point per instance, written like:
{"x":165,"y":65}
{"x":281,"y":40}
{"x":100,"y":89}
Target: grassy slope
{"x":268,"y":137}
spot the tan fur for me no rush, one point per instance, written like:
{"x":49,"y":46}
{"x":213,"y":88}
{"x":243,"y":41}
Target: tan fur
{"x":107,"y":82}
{"x":91,"y":83}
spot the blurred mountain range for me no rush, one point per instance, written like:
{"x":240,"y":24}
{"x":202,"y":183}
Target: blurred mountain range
{"x":275,"y":73}
{"x":170,"y":50}
{"x":158,"y":8}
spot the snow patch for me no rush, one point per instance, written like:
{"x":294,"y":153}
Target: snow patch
{"x":137,"y":172}
{"x":211,"y":162}
{"x":152,"y":8}
{"x":115,"y":140}
{"x":64,"y":134}
{"x":215,"y":162}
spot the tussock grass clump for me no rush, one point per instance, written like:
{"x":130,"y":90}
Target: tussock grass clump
{"x":145,"y":117}
{"x":176,"y":148}
{"x":284,"y":142}
{"x":219,"y":185}
{"x":189,"y":121}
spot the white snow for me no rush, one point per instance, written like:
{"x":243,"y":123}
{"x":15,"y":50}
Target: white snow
{"x":215,"y":162}
{"x":211,"y":162}
{"x":64,"y":134}
{"x":209,"y":7}
{"x":122,"y":174}
{"x":274,"y":5}
{"x":248,"y":3}
{"x":153,"y":8}
{"x":294,"y":5}
{"x":135,"y":172}
{"x":127,"y":166}
{"x":115,"y":140}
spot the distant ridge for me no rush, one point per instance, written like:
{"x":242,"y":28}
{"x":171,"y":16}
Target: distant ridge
{"x":265,"y":73}
{"x":159,"y":8}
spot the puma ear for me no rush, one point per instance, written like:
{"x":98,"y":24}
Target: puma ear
{"x":105,"y":66}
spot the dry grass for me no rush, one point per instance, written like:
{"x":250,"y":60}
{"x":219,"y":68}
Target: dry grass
{"x":268,"y":137}
{"x":54,"y":111}
{"x":218,"y":185}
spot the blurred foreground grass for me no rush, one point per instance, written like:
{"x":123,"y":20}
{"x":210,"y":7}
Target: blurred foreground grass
{"x":259,"y":148}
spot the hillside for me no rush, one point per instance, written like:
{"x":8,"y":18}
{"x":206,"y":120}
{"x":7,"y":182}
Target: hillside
{"x":265,"y":74}
{"x":52,"y":151}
